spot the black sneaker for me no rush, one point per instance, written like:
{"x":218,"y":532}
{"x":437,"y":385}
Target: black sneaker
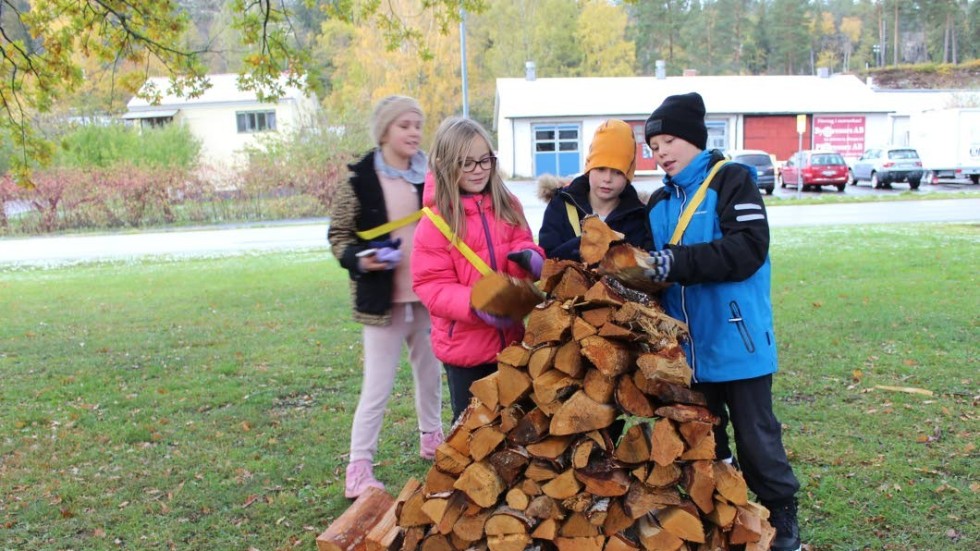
{"x":782,"y":516}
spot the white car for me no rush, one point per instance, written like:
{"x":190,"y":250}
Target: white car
{"x":884,"y":165}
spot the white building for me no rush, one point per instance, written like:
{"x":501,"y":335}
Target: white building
{"x":546,"y":125}
{"x":224,"y":118}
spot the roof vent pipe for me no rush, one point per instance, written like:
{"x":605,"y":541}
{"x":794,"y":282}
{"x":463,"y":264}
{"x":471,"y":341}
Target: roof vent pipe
{"x":661,"y":69}
{"x":529,"y":70}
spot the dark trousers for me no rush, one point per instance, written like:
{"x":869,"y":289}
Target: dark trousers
{"x":758,"y":436}
{"x":460,"y":379}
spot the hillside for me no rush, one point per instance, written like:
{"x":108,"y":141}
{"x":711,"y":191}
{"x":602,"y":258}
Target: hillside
{"x":935,"y":76}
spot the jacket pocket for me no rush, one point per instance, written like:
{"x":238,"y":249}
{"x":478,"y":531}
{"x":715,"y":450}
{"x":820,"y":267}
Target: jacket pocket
{"x":740,"y":326}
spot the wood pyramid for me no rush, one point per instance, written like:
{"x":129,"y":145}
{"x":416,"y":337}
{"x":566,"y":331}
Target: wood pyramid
{"x":587,"y":438}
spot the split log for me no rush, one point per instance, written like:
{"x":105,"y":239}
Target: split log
{"x":484,"y":441}
{"x":507,"y":531}
{"x":730,"y":484}
{"x":666,"y":445}
{"x":655,"y":538}
{"x":546,"y":530}
{"x":601,"y":294}
{"x":700,"y":484}
{"x":611,"y":358}
{"x":582,"y":414}
{"x":599,"y":387}
{"x":596,"y":317}
{"x":723,"y":513}
{"x":668,"y":365}
{"x":574,"y":283}
{"x":627,"y":263}
{"x":349,"y":531}
{"x":550,"y":448}
{"x":603,"y":479}
{"x":642,"y":499}
{"x":568,"y":359}
{"x":631,"y":399}
{"x":481,"y":483}
{"x":580,"y":544}
{"x":597,"y":237}
{"x":548,"y":323}
{"x":552,"y":271}
{"x":470,"y":528}
{"x":662,"y":476}
{"x":512,"y":384}
{"x":562,"y":486}
{"x":409,"y":513}
{"x":683,"y":413}
{"x":502,"y":295}
{"x":533,"y":427}
{"x":680,"y":522}
{"x":385,"y":535}
{"x":485,"y":390}
{"x":542,"y":358}
{"x":509,"y":463}
{"x":634,"y":446}
{"x":515,"y":355}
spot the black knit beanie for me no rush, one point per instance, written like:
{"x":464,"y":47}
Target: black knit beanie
{"x":682,"y":116}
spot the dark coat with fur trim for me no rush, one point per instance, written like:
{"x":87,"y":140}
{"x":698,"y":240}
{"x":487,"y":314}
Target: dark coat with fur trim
{"x":358,"y":205}
{"x":557,"y":236}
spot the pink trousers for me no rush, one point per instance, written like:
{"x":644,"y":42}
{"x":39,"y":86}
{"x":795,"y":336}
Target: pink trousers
{"x":382,"y":356}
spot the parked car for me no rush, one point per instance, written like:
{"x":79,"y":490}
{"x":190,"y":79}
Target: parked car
{"x":815,"y":168}
{"x":763,"y":163}
{"x":885,"y":165}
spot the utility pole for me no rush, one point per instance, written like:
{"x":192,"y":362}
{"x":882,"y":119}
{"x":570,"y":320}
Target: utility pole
{"x":462,"y":57}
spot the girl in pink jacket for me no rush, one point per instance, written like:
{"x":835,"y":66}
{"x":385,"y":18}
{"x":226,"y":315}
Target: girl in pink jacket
{"x":466,"y":190}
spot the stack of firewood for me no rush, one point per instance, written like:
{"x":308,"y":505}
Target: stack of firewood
{"x":588,"y":437}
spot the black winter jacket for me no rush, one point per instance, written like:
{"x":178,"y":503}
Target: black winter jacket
{"x":557,"y":237}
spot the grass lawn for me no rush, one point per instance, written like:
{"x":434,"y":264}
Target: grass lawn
{"x":206,"y":404}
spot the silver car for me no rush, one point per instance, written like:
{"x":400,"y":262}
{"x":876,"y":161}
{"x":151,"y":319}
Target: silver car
{"x":885,"y":165}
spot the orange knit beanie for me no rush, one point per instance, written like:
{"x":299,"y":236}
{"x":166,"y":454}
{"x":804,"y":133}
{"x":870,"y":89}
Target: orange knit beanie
{"x":613,"y":146}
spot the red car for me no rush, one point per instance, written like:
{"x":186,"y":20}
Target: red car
{"x":814,"y":168}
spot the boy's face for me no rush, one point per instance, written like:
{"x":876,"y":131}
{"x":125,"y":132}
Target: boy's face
{"x":673,"y":154}
{"x":606,"y":183}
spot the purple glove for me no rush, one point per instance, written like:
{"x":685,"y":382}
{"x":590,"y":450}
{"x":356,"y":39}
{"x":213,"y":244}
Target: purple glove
{"x":499,"y":322}
{"x":529,"y":259}
{"x":389,"y":256}
{"x":658,"y":265}
{"x":387,"y":251}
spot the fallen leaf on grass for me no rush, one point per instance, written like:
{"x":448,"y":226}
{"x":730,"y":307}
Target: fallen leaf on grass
{"x":250,"y":500}
{"x":906,"y":389}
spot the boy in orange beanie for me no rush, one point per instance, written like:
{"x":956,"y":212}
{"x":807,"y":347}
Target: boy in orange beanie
{"x":605,"y":189}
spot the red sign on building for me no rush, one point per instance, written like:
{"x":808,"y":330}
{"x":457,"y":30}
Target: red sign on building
{"x":843,"y":134}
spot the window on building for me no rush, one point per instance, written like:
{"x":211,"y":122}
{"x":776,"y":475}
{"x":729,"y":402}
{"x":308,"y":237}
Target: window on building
{"x":255,"y":121}
{"x":717,"y":135}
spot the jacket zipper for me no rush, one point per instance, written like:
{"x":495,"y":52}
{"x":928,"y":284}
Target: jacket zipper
{"x":493,"y":257}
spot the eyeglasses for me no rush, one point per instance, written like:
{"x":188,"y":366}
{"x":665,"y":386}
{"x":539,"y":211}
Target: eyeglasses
{"x":486,"y":163}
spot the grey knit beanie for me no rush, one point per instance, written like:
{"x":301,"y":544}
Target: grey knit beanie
{"x":389,"y":109}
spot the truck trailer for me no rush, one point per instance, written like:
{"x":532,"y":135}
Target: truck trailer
{"x":948,"y":141}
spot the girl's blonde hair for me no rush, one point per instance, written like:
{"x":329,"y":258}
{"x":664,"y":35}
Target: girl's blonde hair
{"x":451,"y":143}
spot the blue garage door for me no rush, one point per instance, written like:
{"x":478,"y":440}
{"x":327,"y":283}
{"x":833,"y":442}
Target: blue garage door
{"x":556,"y":149}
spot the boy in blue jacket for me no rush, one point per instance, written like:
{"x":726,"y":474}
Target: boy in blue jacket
{"x":719,"y":263}
{"x":604,"y":189}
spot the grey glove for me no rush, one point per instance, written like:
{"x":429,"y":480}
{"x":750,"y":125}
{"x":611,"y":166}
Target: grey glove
{"x":658,"y":265}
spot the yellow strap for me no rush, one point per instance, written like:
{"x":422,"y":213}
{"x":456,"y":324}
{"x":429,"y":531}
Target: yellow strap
{"x":440,"y":223}
{"x":389,"y":227}
{"x":688,"y":213}
{"x":573,"y":219}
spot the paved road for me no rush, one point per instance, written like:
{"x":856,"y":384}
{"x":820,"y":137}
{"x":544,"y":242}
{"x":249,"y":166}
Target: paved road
{"x":311,"y":234}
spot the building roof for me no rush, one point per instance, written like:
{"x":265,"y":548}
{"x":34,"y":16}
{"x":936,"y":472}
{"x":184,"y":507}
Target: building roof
{"x":629,"y":96}
{"x":224,"y":89}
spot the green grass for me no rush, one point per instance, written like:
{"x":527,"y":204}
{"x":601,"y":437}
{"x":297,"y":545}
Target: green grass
{"x":206,"y":404}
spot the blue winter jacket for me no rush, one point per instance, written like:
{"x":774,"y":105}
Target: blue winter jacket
{"x":721,"y":269}
{"x":557,"y":237}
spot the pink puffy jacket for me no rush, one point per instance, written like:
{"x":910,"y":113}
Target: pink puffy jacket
{"x":443,"y":278}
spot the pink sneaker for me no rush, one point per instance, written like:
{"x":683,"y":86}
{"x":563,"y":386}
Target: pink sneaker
{"x":360,"y":477}
{"x":429,"y":442}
